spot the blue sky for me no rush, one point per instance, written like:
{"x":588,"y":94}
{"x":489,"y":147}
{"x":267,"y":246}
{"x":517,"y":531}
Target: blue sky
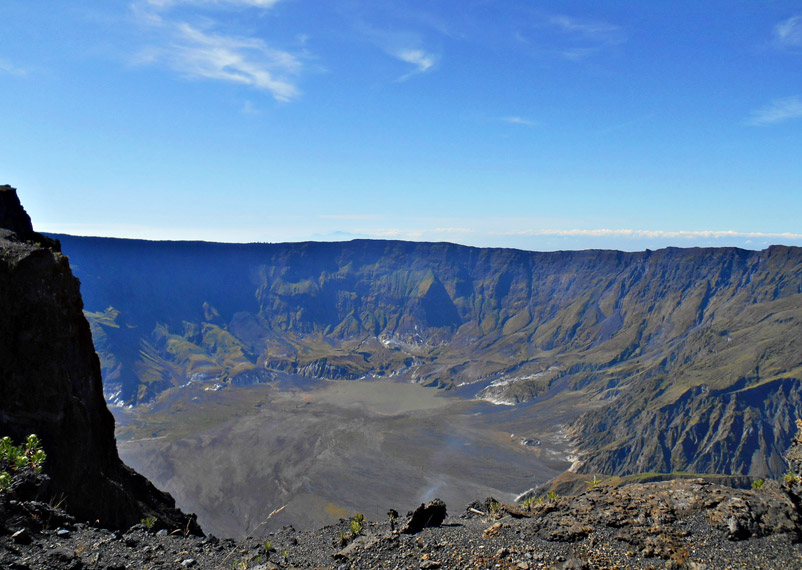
{"x":537,"y":125}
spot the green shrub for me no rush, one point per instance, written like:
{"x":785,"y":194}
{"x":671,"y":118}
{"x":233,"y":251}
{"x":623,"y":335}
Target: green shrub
{"x":757,"y":484}
{"x":5,"y":481}
{"x":13,"y":458}
{"x":356,"y":524}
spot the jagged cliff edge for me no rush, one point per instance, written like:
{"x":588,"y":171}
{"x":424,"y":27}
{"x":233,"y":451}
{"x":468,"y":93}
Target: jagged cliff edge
{"x":50,"y":384}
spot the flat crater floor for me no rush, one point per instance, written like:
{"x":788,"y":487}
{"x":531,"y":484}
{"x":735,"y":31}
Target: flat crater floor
{"x":322,"y":450}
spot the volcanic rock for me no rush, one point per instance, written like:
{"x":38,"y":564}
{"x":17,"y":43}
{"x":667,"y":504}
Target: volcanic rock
{"x":50,"y":384}
{"x":430,"y":515}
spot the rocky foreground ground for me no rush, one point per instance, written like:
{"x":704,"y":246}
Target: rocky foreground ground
{"x":674,"y":524}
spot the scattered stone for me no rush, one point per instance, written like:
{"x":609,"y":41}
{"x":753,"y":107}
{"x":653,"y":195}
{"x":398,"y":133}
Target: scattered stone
{"x":493,"y":530}
{"x":22,"y":536}
{"x":670,"y":525}
{"x":61,"y":555}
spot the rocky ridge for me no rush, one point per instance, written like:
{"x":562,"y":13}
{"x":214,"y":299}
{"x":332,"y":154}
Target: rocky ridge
{"x":675,"y":524}
{"x":50,"y":384}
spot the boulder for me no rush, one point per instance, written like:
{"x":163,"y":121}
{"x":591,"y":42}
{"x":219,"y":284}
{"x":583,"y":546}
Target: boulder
{"x":424,"y":516}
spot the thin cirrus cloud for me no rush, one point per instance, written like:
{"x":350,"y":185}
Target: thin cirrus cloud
{"x":201,"y":52}
{"x":523,"y":121}
{"x":422,"y":60}
{"x":11,"y":69}
{"x":570,"y":38}
{"x":402,"y":45}
{"x":654,"y":234}
{"x":247,"y":3}
{"x":788,"y":33}
{"x":248,"y":61}
{"x":778,"y":111}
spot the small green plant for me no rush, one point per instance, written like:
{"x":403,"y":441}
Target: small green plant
{"x":593,"y":483}
{"x":551,"y":495}
{"x":13,"y":458}
{"x":286,"y":554}
{"x":495,"y":509}
{"x":528,"y":502}
{"x":343,"y":538}
{"x":791,"y":478}
{"x":268,"y":546}
{"x":356,"y":524}
{"x":5,"y":481}
{"x":757,"y":484}
{"x":148,"y":522}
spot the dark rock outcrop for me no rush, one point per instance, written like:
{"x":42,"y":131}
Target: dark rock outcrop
{"x":15,"y":224}
{"x":50,"y":384}
{"x":424,"y":516}
{"x":12,"y":215}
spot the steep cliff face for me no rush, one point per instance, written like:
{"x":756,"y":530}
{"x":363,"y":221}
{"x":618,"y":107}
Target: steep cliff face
{"x":50,"y":384}
{"x":647,"y":338}
{"x":740,"y":430}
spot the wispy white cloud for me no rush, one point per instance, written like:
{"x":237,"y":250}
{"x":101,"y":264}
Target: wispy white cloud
{"x":570,"y":38}
{"x":453,"y":230}
{"x":248,"y":108}
{"x":350,"y":217}
{"x":248,"y":61}
{"x":652,"y":234}
{"x":422,"y":60}
{"x":778,"y":111}
{"x":11,"y":69}
{"x":788,"y":33}
{"x":519,"y":121}
{"x":401,"y":44}
{"x":247,"y":3}
{"x":593,"y":30}
{"x":201,"y":52}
